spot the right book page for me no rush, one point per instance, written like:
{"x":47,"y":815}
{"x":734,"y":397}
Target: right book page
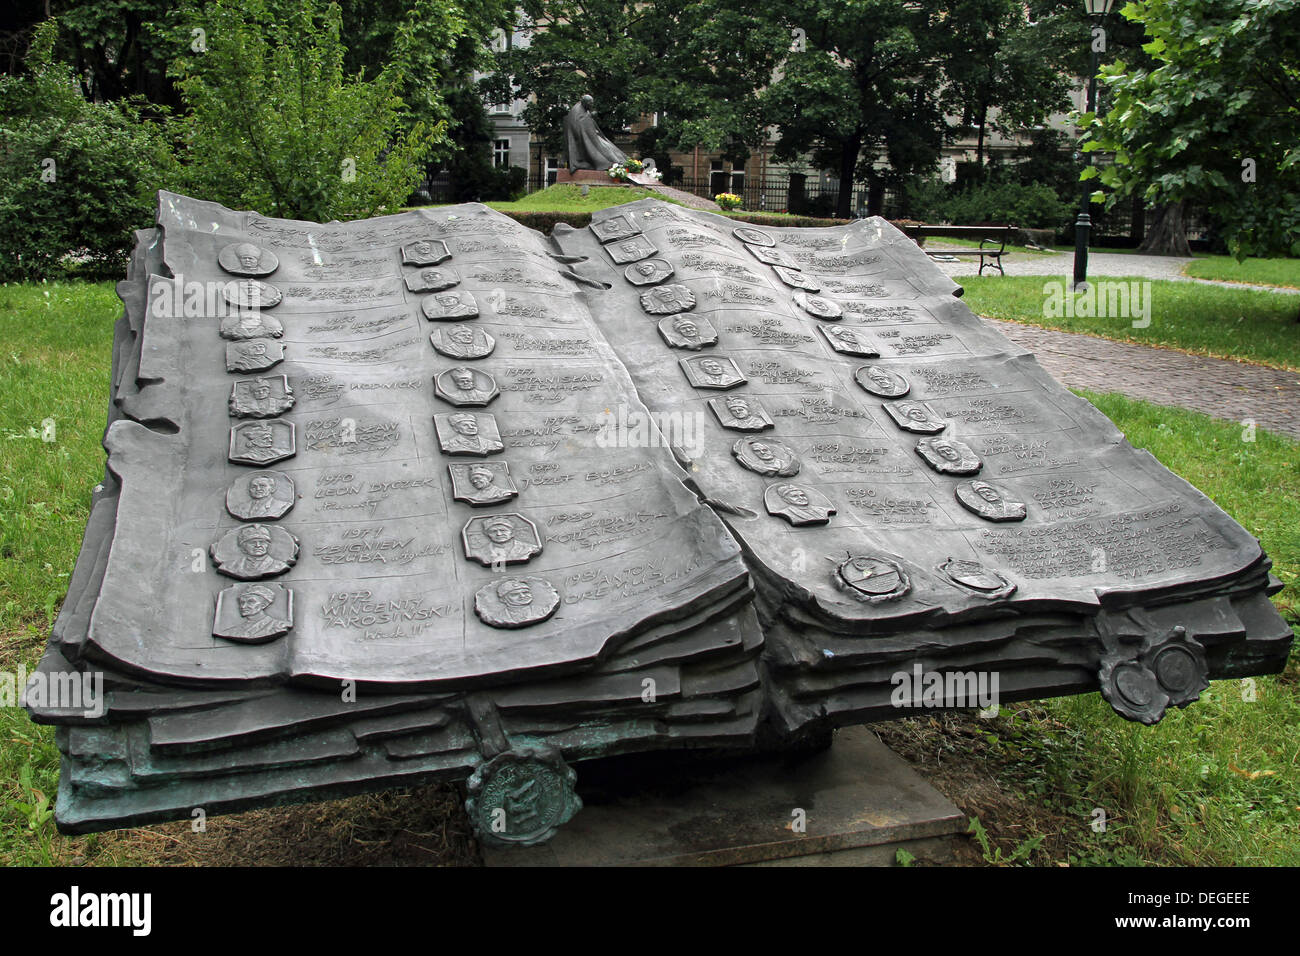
{"x":885,"y":458}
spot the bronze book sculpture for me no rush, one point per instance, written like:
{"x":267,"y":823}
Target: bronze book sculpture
{"x":698,"y":485}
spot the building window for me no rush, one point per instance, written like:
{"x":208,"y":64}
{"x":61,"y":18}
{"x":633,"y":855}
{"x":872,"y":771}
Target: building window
{"x":552,"y":169}
{"x":738,"y":182}
{"x":501,"y":154}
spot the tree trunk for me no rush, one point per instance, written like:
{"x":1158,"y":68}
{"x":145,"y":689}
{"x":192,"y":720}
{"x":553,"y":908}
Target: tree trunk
{"x":848,"y":163}
{"x":1167,"y":235}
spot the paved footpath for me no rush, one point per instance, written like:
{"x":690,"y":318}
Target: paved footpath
{"x":1061,"y":264}
{"x":1233,"y":391}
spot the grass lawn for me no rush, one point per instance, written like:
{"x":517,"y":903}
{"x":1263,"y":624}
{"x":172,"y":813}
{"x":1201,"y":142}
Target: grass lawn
{"x":1283,"y":272}
{"x":54,"y":348}
{"x":569,"y":198}
{"x":1217,"y":783}
{"x":1250,"y":325}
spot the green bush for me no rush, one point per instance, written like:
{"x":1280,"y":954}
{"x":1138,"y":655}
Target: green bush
{"x":475,"y":181}
{"x":276,"y":125}
{"x":819,"y":207}
{"x":803,"y":222}
{"x":76,"y":178}
{"x":1032,"y":206}
{"x":468,"y":167}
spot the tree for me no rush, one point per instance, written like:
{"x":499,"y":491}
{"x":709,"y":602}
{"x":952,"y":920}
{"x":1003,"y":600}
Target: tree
{"x":1212,"y":121}
{"x":118,"y":48}
{"x":275,"y":124}
{"x":448,"y":41}
{"x":471,"y":175}
{"x":1007,"y":67}
{"x":711,"y":68}
{"x":870,"y":92}
{"x":573,"y":49}
{"x":698,"y":65}
{"x":75,"y":177}
{"x":448,"y":45}
{"x":863,"y":81}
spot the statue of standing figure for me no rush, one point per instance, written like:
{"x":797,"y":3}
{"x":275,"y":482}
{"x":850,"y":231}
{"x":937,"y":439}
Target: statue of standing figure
{"x":587,"y":146}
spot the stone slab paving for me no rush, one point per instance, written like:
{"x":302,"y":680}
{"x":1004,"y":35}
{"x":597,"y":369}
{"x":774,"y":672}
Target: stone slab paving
{"x":689,"y":199}
{"x":1061,"y":264}
{"x":1232,"y":391}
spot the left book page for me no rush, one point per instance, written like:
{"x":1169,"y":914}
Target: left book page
{"x":376,"y":451}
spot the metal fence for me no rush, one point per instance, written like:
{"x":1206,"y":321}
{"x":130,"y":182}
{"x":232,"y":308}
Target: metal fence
{"x":1127,"y":223}
{"x":806,"y":197}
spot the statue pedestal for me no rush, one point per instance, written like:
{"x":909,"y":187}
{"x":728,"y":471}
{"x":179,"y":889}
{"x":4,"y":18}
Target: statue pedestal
{"x":598,"y":177}
{"x":587,"y":177}
{"x":860,"y":804}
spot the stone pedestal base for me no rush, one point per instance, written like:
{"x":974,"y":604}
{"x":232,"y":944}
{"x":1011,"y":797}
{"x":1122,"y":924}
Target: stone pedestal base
{"x":598,"y":177}
{"x":860,"y":804}
{"x":587,"y":177}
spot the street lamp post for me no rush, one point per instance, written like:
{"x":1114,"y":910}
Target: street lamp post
{"x":1097,"y":10}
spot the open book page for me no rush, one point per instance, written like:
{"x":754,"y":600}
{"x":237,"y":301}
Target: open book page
{"x":373,"y":452}
{"x":884,"y":457}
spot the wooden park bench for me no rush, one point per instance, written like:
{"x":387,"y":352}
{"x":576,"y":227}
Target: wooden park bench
{"x":992,"y":242}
